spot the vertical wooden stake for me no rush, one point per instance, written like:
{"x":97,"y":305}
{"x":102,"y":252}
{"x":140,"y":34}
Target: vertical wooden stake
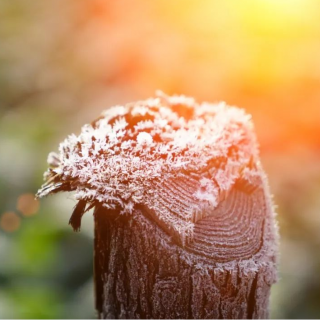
{"x":184,"y":223}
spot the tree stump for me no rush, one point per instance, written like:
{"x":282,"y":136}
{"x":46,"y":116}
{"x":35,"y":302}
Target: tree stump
{"x":184,"y":223}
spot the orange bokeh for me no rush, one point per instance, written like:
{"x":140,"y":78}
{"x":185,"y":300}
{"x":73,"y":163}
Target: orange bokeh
{"x":27,"y":204}
{"x":10,"y":222}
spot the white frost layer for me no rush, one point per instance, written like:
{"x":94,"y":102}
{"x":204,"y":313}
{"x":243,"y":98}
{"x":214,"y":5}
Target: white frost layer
{"x":116,"y":159}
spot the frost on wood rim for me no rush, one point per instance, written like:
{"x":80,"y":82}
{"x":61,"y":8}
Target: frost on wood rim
{"x":122,"y":158}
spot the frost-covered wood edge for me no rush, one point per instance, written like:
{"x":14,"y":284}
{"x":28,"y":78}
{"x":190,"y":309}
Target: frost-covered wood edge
{"x":141,"y":272}
{"x":184,"y":225}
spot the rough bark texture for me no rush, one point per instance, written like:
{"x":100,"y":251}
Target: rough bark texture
{"x":226,"y":271}
{"x":184,"y":225}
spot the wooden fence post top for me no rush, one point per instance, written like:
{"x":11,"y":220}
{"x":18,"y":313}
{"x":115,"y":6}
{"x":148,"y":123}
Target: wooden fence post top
{"x":185,"y":165}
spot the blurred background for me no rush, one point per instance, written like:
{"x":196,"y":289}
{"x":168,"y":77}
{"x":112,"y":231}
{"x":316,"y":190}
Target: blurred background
{"x":63,"y":62}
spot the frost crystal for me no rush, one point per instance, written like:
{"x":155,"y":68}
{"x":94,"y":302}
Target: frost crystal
{"x":124,"y":158}
{"x":144,"y":137}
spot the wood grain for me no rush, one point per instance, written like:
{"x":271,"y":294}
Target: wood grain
{"x":143,"y":271}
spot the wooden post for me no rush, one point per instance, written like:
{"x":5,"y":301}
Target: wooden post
{"x":184,"y":224}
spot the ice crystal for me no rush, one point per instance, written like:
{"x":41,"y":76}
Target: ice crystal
{"x":116,"y":160}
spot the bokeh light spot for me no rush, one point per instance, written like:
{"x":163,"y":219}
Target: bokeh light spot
{"x":27,"y":204}
{"x":10,"y":221}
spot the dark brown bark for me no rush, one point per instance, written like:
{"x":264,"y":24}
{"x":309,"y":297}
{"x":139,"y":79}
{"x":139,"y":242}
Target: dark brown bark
{"x":189,"y":231}
{"x":225,"y":271}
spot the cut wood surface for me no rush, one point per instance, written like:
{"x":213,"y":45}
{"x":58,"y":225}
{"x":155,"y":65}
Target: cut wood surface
{"x":184,"y":223}
{"x":225,"y":272}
